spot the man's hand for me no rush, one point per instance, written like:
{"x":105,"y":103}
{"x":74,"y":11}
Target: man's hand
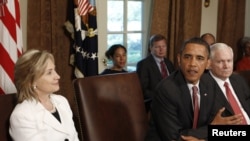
{"x":230,"y":120}
{"x":191,"y":138}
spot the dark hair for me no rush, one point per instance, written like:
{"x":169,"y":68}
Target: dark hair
{"x":207,"y":34}
{"x":196,"y":40}
{"x":155,"y":38}
{"x":244,"y":42}
{"x":111,"y":51}
{"x":241,"y":49}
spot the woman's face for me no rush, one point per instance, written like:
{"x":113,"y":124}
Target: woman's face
{"x":247,"y":49}
{"x":49,"y":82}
{"x":120,"y":58}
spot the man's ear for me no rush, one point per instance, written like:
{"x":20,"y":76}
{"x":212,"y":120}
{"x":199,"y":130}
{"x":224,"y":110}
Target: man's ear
{"x":208,"y":64}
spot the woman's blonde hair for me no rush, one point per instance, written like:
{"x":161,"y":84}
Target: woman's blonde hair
{"x":28,"y":68}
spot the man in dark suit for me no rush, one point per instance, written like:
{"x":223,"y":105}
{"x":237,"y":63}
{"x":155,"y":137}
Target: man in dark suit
{"x":221,"y":70}
{"x":173,"y":107}
{"x":149,"y":69}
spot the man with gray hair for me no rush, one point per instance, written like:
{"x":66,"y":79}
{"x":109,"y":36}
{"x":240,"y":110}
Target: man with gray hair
{"x":233,"y":91}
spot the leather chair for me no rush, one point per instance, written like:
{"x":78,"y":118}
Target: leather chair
{"x":7,"y":104}
{"x":245,"y":75}
{"x":111,"y":107}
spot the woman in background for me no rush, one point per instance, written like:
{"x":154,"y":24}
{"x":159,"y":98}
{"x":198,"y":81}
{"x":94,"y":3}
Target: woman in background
{"x":244,"y":63}
{"x":40,"y":115}
{"x":117,"y":53}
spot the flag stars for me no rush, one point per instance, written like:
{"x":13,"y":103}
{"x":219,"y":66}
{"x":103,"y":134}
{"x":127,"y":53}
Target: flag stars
{"x":88,"y":56}
{"x":78,"y":49}
{"x":94,"y":56}
{"x":84,"y":54}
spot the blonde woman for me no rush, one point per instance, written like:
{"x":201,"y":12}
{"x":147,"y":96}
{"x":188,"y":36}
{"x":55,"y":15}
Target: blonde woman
{"x":40,"y":115}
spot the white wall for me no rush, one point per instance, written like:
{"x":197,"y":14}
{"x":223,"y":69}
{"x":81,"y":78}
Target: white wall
{"x":247,"y":19}
{"x":209,"y":18}
{"x":102,"y":32}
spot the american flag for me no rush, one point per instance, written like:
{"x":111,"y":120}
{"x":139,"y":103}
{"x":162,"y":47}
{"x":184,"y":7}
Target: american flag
{"x":82,"y":26}
{"x":84,"y":7}
{"x":10,"y":43}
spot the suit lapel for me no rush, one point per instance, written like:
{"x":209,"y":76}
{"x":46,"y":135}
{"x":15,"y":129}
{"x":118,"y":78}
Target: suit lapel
{"x":207,"y":100}
{"x":240,"y":94}
{"x":169,"y":66}
{"x":50,"y":120}
{"x":203,"y":99}
{"x":238,"y":90}
{"x":223,"y":100}
{"x":155,"y":68}
{"x":186,"y":97}
{"x":220,"y":99}
{"x":187,"y":101}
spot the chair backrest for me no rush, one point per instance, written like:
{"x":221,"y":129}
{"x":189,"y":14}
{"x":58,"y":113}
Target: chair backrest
{"x":7,"y":104}
{"x":245,"y":75}
{"x":111,"y":107}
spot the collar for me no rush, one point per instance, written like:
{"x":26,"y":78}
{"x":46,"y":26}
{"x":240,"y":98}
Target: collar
{"x":219,"y":81}
{"x":157,"y":59}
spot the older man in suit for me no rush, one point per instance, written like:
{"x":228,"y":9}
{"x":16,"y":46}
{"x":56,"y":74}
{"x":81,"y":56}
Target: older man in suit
{"x":152,"y":69}
{"x":221,"y":70}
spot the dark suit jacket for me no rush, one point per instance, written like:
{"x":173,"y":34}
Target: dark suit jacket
{"x":172,"y":112}
{"x":150,"y":75}
{"x":242,"y":91}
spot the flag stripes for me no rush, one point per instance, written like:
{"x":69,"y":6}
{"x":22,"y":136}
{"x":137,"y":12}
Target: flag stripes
{"x":84,"y":7}
{"x":6,"y":63}
{"x":10,"y":45}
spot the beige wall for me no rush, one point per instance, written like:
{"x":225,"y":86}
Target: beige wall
{"x":247,"y":19}
{"x":209,"y":18}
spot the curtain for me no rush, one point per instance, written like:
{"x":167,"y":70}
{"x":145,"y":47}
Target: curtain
{"x":46,"y":31}
{"x":231,"y":23}
{"x":178,"y":20}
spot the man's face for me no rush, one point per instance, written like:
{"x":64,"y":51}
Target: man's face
{"x":193,"y":61}
{"x":222,"y":63}
{"x":159,"y":49}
